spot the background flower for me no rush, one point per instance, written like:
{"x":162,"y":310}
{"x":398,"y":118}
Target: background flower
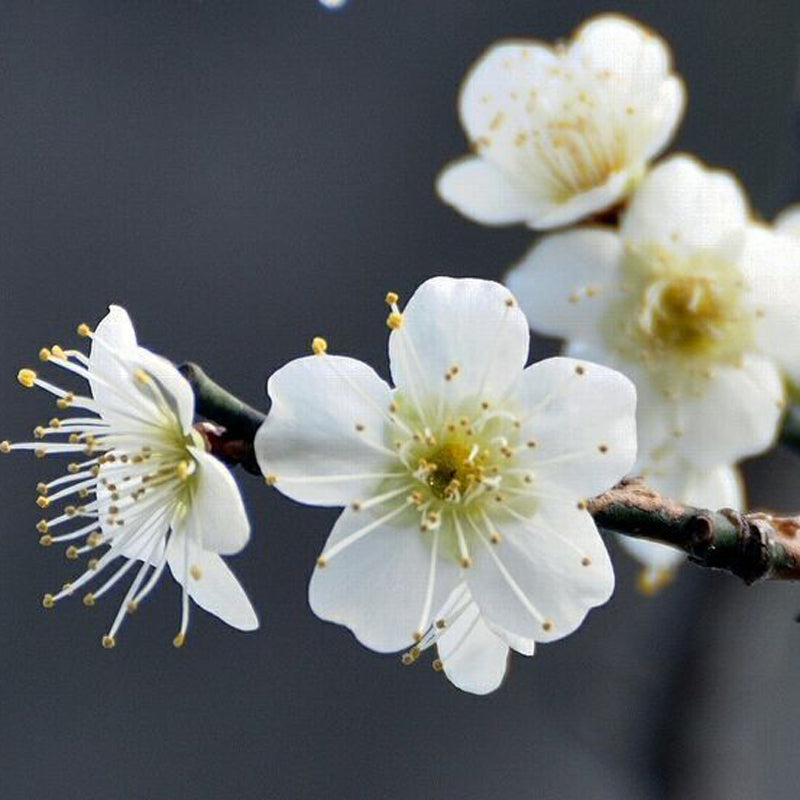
{"x":563,"y":132}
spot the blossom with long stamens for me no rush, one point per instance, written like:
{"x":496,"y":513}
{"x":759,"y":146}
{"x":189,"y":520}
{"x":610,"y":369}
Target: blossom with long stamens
{"x":691,"y":300}
{"x":561,"y":133}
{"x":472,"y":471}
{"x":143,"y":492}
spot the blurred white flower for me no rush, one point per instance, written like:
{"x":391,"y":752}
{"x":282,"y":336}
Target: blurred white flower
{"x":715,"y":488}
{"x":563,"y":132}
{"x":147,"y":491}
{"x":693,"y":302}
{"x":471,"y":472}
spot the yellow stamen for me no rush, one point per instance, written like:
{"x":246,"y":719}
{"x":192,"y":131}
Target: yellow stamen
{"x":319,"y":346}
{"x":27,"y":377}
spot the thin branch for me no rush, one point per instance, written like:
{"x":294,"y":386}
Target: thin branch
{"x":755,"y":546}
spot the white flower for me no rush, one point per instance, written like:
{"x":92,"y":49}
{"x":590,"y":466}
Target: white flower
{"x":563,"y":132}
{"x":693,"y":302}
{"x":714,"y":488}
{"x":471,"y":472}
{"x":146,"y":492}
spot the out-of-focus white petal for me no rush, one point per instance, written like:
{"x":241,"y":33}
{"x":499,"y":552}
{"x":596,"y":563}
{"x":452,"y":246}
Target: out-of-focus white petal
{"x":579,"y":421}
{"x":473,"y":325}
{"x":788,"y":221}
{"x":324,"y":440}
{"x":566,"y":281}
{"x":482,"y":192}
{"x":473,"y":657}
{"x":545,"y":573}
{"x":211,"y":584}
{"x":216,"y":515}
{"x":771,"y":264}
{"x":686,"y":206}
{"x":378,"y":586}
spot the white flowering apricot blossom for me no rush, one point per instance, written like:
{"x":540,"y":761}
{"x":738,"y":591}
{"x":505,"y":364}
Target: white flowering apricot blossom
{"x":464,"y":486}
{"x":683,"y":482}
{"x":563,"y":132}
{"x":691,"y":300}
{"x":145,"y":491}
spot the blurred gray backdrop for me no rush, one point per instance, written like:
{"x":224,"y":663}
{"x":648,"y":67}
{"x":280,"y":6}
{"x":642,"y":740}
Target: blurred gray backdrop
{"x":243,"y":176}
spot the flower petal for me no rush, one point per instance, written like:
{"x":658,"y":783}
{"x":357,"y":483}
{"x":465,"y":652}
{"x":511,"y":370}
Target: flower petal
{"x":579,"y":419}
{"x":211,"y":584}
{"x":544,"y":575}
{"x":116,"y":331}
{"x":378,"y":585}
{"x":473,"y":657}
{"x":788,"y":221}
{"x":715,"y":488}
{"x":771,"y":264}
{"x":683,"y":204}
{"x":216,"y":516}
{"x":566,"y":281}
{"x":482,"y":192}
{"x":324,"y":439}
{"x":474,"y":326}
{"x":179,"y":392}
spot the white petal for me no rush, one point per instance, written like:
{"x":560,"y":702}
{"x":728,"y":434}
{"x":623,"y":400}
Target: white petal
{"x":482,"y":192}
{"x":714,"y":488}
{"x":211,"y":584}
{"x":520,"y":644}
{"x":544,"y":575}
{"x":474,"y":658}
{"x":378,"y":585}
{"x":179,"y":392}
{"x":325,"y":436}
{"x":788,"y":221}
{"x":771,"y":264}
{"x":566,"y":281}
{"x":736,"y":415}
{"x":473,"y":325}
{"x":115,"y":329}
{"x":216,"y":516}
{"x":581,"y":417}
{"x":686,"y":206}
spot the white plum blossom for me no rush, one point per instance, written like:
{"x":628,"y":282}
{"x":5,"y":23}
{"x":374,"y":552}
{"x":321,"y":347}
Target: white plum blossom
{"x":143,"y":490}
{"x":465,"y":524}
{"x":683,"y":482}
{"x":563,"y":132}
{"x":688,"y":298}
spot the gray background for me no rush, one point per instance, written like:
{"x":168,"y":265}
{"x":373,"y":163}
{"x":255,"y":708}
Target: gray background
{"x":243,"y":176}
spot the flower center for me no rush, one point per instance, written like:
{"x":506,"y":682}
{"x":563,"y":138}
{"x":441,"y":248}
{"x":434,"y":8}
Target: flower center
{"x":455,"y":468}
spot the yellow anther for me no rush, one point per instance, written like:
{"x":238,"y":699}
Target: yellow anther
{"x":70,"y":511}
{"x":586,"y":561}
{"x":42,"y":526}
{"x":94,"y":539}
{"x":42,"y":501}
{"x":322,"y":562}
{"x":271,"y":479}
{"x":27,"y":377}
{"x":5,"y":446}
{"x":109,"y":642}
{"x":182,"y":470}
{"x":195,"y":572}
{"x":58,"y":352}
{"x":391,"y":298}
{"x":319,"y":346}
{"x":650,"y":582}
{"x":437,"y":665}
{"x":92,"y":564}
{"x":44,"y":354}
{"x":55,"y":422}
{"x":72,"y":552}
{"x":66,"y":586}
{"x":394,"y":320}
{"x":48,"y":601}
{"x":38,"y":432}
{"x":466,"y":562}
{"x":547,"y":625}
{"x":74,"y":438}
{"x":141,"y":376}
{"x":84,"y":330}
{"x":46,"y":540}
{"x":132,"y":606}
{"x":88,"y":599}
{"x":179,"y":640}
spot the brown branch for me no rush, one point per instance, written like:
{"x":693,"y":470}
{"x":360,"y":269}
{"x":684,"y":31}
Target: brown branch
{"x":755,"y":546}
